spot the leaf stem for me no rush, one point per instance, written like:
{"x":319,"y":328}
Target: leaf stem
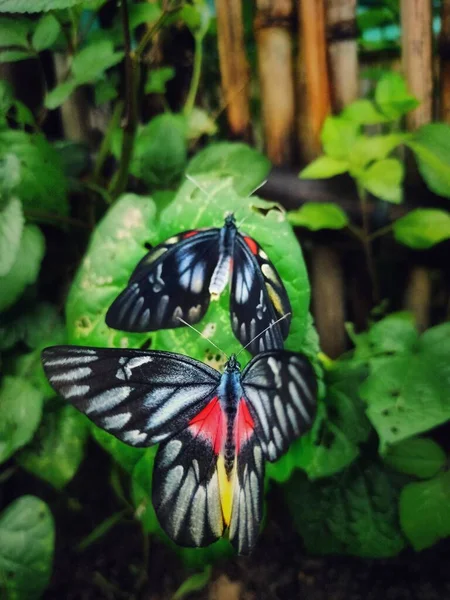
{"x":44,"y":216}
{"x":366,"y":241}
{"x":196,"y":73}
{"x":382,"y":231}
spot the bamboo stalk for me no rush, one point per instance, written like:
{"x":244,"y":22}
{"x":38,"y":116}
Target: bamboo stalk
{"x":233,"y":66}
{"x":444,"y":48}
{"x":273,"y":23}
{"x":342,"y":51}
{"x":416,"y":18}
{"x":418,"y":296}
{"x":314,"y":92}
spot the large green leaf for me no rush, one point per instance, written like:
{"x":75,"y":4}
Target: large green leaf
{"x":425,"y":511}
{"x":25,"y":269}
{"x":11,"y":228}
{"x":27,"y":539}
{"x":42,"y":326}
{"x":407,"y":392}
{"x":42,"y":184}
{"x":421,"y":457}
{"x":247,"y":167}
{"x":58,"y":447}
{"x":423,"y":228}
{"x":23,"y":6}
{"x":20,"y":414}
{"x":115,"y":248}
{"x":353,"y":513}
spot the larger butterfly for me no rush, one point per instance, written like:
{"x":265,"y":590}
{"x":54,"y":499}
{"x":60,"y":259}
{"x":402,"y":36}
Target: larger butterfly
{"x":178,"y":278}
{"x":215,"y":431}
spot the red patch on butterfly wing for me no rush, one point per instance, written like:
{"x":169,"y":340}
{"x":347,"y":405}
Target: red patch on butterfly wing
{"x":190,"y":234}
{"x":251,"y":244}
{"x":245,"y":425}
{"x":210,"y":424}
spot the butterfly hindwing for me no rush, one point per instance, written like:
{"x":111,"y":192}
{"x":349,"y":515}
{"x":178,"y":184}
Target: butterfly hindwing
{"x":281,"y":390}
{"x":258,"y":298}
{"x":140,"y":397}
{"x":171,"y":281}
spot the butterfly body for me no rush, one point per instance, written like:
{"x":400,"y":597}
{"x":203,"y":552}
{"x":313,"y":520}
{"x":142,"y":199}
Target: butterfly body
{"x":214,"y":430}
{"x":178,"y":278}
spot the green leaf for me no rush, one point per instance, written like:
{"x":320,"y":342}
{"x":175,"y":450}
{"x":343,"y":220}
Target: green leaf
{"x":431,"y":146}
{"x":27,"y":539}
{"x":194,"y":583}
{"x":363,"y":112}
{"x":421,"y":457}
{"x":25,"y":269}
{"x":105,"y":91}
{"x":24,"y":6}
{"x":384,"y":178}
{"x":392,"y":96}
{"x":354,"y":512}
{"x":425,"y":511}
{"x":40,"y":327}
{"x":324,"y":167}
{"x":422,"y":228}
{"x":14,"y":31}
{"x":157,"y":78}
{"x":58,"y":447}
{"x":8,"y":56}
{"x":143,"y":13}
{"x":126,"y":456}
{"x":338,"y":137}
{"x":395,"y":334}
{"x":375,"y":147}
{"x":46,"y":33}
{"x":141,"y":491}
{"x":42,"y":184}
{"x":116,"y":246}
{"x":316,"y":216}
{"x":247,"y":167}
{"x":93,"y":60}
{"x":59,"y":94}
{"x":20,"y":414}
{"x":200,"y":123}
{"x":29,"y":367}
{"x":407,"y":393}
{"x":11,"y":228}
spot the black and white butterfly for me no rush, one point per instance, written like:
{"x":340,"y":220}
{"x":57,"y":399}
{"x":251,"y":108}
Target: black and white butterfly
{"x":177,"y":279}
{"x":215,"y":430}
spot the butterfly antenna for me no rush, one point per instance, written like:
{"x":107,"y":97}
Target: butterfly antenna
{"x":196,"y":183}
{"x":258,"y":187}
{"x":263,"y":332}
{"x":203,"y":336}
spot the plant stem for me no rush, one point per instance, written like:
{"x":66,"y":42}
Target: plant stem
{"x":382,"y":231}
{"x":366,"y":241}
{"x":159,"y":24}
{"x":50,"y":217}
{"x":195,"y":79}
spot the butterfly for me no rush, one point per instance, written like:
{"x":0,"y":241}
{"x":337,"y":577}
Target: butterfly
{"x":214,"y":430}
{"x":177,"y":279}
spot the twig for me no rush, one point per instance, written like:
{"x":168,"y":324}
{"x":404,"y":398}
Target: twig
{"x":195,"y":79}
{"x":368,"y":246}
{"x":382,"y":231}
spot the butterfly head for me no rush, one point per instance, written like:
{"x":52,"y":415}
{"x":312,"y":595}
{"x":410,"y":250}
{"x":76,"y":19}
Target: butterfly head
{"x":230,"y":221}
{"x":232,"y":364}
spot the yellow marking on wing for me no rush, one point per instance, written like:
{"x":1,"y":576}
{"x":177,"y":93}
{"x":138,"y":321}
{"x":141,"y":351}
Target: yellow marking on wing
{"x":225,"y":490}
{"x":275,"y":298}
{"x":156,"y":254}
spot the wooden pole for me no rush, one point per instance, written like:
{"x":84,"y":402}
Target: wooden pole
{"x":233,"y":66}
{"x":444,"y":48}
{"x":273,"y":23}
{"x":314,"y":92}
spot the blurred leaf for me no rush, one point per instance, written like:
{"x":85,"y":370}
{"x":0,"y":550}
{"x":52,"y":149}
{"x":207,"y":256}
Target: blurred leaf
{"x":93,"y":60}
{"x":425,"y":511}
{"x":194,"y":583}
{"x":59,"y":94}
{"x":24,"y":6}
{"x":200,"y":123}
{"x":116,"y":246}
{"x":11,"y":228}
{"x":406,"y":393}
{"x":25,"y":269}
{"x":27,"y":539}
{"x":46,"y":33}
{"x":126,"y":456}
{"x":141,"y":491}
{"x":40,"y":327}
{"x":57,"y":449}
{"x":318,"y":215}
{"x":375,"y":147}
{"x":338,"y":137}
{"x":105,"y":90}
{"x":395,"y":334}
{"x":421,"y":457}
{"x":20,"y":414}
{"x":247,"y":167}
{"x":324,"y":167}
{"x":384,"y":179}
{"x":14,"y":31}
{"x":29,"y":367}
{"x":143,"y":13}
{"x":42,"y":184}
{"x":431,"y":146}
{"x":157,"y":78}
{"x":422,"y":228}
{"x":354,"y":512}
{"x":363,"y":112}
{"x":7,"y":56}
{"x":373,"y":18}
{"x":392,"y":96}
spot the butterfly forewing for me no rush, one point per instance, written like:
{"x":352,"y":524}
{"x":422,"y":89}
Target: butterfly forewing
{"x":140,"y":397}
{"x":169,"y":283}
{"x":281,"y":390}
{"x":258,"y":298}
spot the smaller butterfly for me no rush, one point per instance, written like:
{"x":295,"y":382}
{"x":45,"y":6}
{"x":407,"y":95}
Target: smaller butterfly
{"x":177,"y":279}
{"x":215,"y":430}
